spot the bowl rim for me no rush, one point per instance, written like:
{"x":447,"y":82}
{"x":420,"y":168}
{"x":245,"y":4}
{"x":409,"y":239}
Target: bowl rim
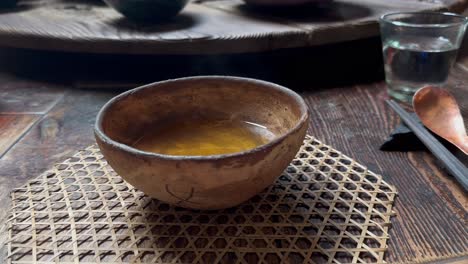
{"x":98,"y":130}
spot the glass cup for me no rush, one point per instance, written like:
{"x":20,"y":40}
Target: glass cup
{"x":419,"y":49}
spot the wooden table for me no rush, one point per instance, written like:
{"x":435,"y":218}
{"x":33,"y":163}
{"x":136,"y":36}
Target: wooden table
{"x":42,"y":122}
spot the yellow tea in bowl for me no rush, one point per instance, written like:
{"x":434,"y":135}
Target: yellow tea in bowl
{"x":203,"y":137}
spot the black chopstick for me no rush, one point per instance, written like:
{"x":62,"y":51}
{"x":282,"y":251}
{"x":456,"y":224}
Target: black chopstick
{"x":453,"y":165}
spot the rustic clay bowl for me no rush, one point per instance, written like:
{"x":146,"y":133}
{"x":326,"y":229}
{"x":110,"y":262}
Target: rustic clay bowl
{"x":202,"y":182}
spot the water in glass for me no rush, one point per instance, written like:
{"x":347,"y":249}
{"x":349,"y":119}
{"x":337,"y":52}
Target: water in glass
{"x":414,"y":62}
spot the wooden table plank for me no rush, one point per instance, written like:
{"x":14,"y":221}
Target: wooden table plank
{"x":62,"y":131}
{"x":12,"y":128}
{"x":26,"y":97}
{"x":21,"y":106}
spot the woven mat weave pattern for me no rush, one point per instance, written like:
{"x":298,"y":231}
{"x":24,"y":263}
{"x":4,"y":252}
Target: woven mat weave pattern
{"x":325,"y":208}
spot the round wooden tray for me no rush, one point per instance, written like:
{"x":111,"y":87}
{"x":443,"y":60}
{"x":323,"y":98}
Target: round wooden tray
{"x":204,"y":27}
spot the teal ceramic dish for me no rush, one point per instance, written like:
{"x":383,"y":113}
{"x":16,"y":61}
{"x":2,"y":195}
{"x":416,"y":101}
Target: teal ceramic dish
{"x":148,"y":10}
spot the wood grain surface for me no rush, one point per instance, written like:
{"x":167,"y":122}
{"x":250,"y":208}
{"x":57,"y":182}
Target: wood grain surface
{"x":204,"y":27}
{"x":431,"y":207}
{"x":430,"y":226}
{"x":13,"y":127}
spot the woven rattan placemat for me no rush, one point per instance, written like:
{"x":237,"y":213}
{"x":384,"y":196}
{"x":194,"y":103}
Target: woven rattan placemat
{"x":325,"y":208}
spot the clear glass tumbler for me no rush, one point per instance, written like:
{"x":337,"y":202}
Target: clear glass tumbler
{"x":419,"y":49}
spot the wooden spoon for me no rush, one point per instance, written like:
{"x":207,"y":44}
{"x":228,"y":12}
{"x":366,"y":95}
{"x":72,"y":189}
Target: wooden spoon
{"x":439,"y":112}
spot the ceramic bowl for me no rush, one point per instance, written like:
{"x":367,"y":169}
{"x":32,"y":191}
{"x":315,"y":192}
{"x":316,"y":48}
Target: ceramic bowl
{"x":148,"y":10}
{"x":202,"y":182}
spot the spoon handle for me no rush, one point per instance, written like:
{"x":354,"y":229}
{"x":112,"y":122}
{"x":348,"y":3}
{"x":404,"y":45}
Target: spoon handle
{"x":453,"y":165}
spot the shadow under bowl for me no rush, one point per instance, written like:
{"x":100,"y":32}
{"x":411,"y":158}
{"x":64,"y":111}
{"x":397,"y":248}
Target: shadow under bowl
{"x":148,"y":10}
{"x":202,"y":182}
{"x":284,"y":3}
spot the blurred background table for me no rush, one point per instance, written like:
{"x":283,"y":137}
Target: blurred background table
{"x":203,"y":27}
{"x":48,"y":104}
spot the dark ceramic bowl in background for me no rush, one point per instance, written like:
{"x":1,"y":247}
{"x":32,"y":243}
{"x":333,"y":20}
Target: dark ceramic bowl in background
{"x":148,"y":10}
{"x":7,"y":3}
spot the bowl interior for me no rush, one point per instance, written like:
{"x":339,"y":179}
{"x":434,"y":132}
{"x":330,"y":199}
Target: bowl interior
{"x":125,"y":118}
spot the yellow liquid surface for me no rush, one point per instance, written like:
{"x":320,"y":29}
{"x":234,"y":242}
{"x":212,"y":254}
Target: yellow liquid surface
{"x":203,"y":137}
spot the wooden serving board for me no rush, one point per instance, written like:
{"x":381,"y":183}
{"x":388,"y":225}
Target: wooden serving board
{"x":204,"y":27}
